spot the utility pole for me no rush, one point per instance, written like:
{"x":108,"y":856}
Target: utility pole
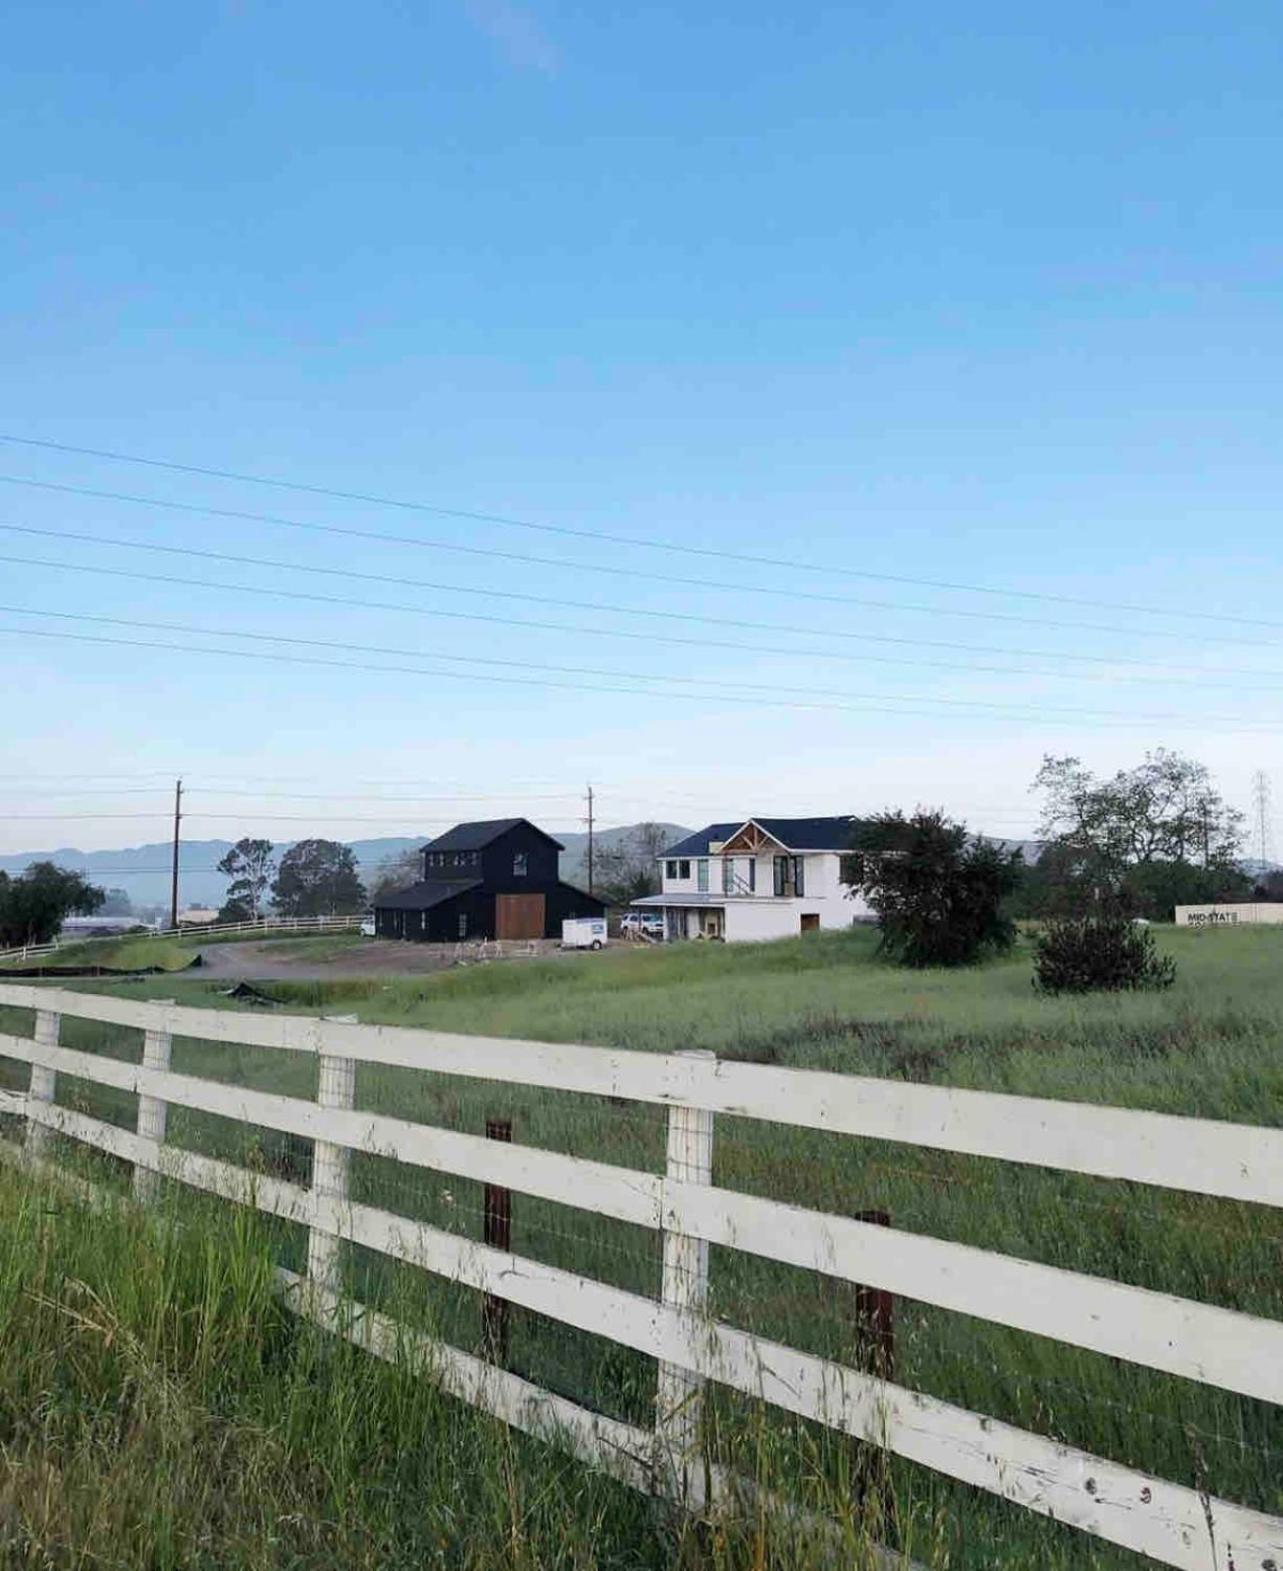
{"x":591,"y":889}
{"x":1261,"y":808}
{"x":173,"y":886}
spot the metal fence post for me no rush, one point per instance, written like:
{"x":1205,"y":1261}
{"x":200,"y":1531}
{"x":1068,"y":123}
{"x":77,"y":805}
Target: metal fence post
{"x":43,"y":1082}
{"x":679,"y":1399}
{"x":331,"y":1166}
{"x":153,"y":1112}
{"x":496,"y":1312}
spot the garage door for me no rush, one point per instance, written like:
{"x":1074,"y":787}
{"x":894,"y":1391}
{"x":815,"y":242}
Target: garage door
{"x":519,"y":916}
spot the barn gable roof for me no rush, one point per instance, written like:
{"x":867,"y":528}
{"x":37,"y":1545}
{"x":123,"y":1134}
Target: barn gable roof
{"x":479,"y":833}
{"x":425,"y":894}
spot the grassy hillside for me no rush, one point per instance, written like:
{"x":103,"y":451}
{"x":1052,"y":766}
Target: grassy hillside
{"x":1213,"y":1046}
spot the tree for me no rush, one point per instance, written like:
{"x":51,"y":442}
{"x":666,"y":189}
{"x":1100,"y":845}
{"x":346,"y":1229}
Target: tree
{"x":1102,"y":953}
{"x":233,"y":912}
{"x":1141,"y":842}
{"x":318,"y":878}
{"x":116,"y":902}
{"x":249,"y":865}
{"x":937,"y":890}
{"x":396,"y":872}
{"x":629,"y":869}
{"x":1269,"y":886}
{"x":33,"y":905}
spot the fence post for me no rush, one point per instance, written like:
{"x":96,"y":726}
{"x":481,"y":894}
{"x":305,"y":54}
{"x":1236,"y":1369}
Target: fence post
{"x":679,"y":1397}
{"x":43,"y":1082}
{"x":331,"y":1165}
{"x":496,"y":1312}
{"x":153,"y":1112}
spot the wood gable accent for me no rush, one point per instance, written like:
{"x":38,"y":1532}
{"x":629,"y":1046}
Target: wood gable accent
{"x":750,"y":841}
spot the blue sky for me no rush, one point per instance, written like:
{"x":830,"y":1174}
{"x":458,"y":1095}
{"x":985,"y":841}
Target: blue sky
{"x":982,"y":295}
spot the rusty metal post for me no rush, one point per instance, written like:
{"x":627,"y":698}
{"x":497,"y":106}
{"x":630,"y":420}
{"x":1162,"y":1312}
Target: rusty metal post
{"x":495,"y":1311}
{"x":875,"y":1354}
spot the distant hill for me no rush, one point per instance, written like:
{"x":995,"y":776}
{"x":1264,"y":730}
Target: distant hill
{"x":143,"y":871}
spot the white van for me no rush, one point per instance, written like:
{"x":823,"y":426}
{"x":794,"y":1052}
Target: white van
{"x":583,"y":932}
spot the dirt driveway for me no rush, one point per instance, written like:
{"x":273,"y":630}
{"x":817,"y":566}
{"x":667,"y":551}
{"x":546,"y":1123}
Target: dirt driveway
{"x":272,"y":961}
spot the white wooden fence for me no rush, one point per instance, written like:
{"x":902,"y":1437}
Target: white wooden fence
{"x":267,"y":925}
{"x":1171,"y":1523}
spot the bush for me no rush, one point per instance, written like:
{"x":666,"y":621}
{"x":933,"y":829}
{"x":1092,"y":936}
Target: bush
{"x":938,"y":891}
{"x":1099,"y":954}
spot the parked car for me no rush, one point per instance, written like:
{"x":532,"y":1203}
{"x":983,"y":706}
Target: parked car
{"x":642,"y":924}
{"x":367,"y":927}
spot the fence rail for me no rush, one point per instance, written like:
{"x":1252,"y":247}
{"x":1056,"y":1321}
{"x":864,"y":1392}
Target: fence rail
{"x":275,"y":924}
{"x":1218,"y":1347}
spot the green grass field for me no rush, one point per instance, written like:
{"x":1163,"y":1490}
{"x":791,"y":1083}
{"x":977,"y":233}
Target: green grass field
{"x":1212,"y":1046}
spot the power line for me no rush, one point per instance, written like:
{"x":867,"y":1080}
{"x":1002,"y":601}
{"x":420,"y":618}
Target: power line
{"x":604,"y":536}
{"x":765,"y":693}
{"x":994,"y":711}
{"x":636,"y":636}
{"x":401,"y":581}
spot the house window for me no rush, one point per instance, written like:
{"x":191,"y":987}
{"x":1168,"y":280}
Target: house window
{"x":463,"y":924}
{"x":519,"y":864}
{"x":670,"y":869}
{"x":728,"y":875}
{"x":683,"y":870}
{"x":701,"y":875}
{"x":789,"y":879}
{"x":752,"y":875}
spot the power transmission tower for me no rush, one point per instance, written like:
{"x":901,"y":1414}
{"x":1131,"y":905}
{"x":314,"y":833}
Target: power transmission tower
{"x":173,"y":885}
{"x":1261,"y":812}
{"x":590,"y":821}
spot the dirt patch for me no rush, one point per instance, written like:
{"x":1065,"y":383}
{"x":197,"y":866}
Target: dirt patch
{"x":271,"y":961}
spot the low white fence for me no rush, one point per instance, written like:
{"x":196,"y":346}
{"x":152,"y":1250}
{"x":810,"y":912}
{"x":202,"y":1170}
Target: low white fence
{"x":1238,"y":1352}
{"x":267,"y":924}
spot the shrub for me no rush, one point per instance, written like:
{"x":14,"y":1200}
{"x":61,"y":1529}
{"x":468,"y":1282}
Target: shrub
{"x":1099,"y":954}
{"x":938,"y":891}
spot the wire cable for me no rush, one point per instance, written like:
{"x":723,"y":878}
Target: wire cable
{"x":993,"y":711}
{"x":610,"y":538}
{"x":534,"y":665}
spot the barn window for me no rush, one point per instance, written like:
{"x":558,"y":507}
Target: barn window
{"x":463,"y":924}
{"x":519,"y":862}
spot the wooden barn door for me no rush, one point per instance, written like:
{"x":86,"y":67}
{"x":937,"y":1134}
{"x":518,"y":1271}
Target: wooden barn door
{"x":519,"y":916}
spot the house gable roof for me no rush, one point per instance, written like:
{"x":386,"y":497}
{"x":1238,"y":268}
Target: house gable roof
{"x":698,"y":843}
{"x":793,"y":834}
{"x":424,"y":895}
{"x":475,"y":836}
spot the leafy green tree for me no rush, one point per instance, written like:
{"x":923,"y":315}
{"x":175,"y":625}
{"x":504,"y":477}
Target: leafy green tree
{"x":1140,"y":842}
{"x":937,"y":890}
{"x":318,"y":878}
{"x":34,"y":905}
{"x":249,"y":866}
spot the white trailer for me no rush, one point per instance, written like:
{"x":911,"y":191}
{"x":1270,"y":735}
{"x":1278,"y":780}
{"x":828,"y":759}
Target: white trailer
{"x":583,"y":932}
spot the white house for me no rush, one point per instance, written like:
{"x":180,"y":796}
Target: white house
{"x":755,"y":879}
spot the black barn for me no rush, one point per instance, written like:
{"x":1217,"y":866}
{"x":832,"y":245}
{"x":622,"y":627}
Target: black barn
{"x":497,"y":879}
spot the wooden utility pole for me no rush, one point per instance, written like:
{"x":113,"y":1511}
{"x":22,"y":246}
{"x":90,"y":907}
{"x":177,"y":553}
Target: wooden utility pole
{"x":591,"y":890}
{"x":173,"y":884}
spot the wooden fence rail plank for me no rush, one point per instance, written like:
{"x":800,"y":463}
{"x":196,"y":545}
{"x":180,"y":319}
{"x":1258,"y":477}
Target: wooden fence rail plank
{"x":1203,"y":1342}
{"x":1204,"y":1156}
{"x":1168,"y":1522}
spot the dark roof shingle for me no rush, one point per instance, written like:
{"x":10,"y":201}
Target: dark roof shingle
{"x":424,"y":895}
{"x":481,"y":833}
{"x":797,"y":834}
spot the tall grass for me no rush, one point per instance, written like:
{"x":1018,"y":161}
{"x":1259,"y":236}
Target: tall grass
{"x":1212,"y":1047}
